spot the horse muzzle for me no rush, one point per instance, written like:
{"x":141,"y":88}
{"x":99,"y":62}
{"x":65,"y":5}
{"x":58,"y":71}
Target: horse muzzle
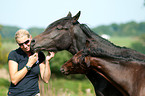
{"x":64,"y":71}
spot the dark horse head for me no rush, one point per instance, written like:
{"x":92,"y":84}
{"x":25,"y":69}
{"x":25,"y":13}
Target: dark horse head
{"x":60,"y":35}
{"x":75,"y":65}
{"x":124,"y":75}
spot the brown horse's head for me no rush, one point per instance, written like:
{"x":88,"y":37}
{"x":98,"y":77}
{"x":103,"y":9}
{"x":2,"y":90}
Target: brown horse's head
{"x":76,"y":65}
{"x":57,"y":36}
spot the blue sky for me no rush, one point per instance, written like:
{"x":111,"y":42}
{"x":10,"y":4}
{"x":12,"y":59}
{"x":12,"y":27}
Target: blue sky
{"x":40,"y":13}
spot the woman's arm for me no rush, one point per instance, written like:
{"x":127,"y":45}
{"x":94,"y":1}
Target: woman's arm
{"x":16,"y":75}
{"x":45,"y":68}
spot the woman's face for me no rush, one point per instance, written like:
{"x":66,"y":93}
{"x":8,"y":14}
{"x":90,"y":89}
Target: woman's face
{"x":24,"y":43}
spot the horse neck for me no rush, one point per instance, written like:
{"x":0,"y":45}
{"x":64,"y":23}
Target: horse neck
{"x":119,"y":74}
{"x":82,"y":33}
{"x":98,"y":42}
{"x":101,"y":86}
{"x":78,"y":39}
{"x":102,"y":47}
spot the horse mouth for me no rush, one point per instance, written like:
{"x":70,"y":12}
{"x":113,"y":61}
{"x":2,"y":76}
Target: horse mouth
{"x":44,"y":49}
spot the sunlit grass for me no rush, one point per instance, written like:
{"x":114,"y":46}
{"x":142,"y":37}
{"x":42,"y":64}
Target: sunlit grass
{"x":3,"y":91}
{"x":9,"y":45}
{"x":57,"y":87}
{"x":4,"y":84}
{"x":123,"y":41}
{"x":65,"y":87}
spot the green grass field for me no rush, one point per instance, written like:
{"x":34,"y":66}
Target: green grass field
{"x":69,"y":87}
{"x":57,"y":87}
{"x":123,"y":41}
{"x":4,"y":84}
{"x":9,"y":45}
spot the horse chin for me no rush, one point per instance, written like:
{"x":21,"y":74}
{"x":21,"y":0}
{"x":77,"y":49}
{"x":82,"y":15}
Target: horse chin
{"x":65,"y":72}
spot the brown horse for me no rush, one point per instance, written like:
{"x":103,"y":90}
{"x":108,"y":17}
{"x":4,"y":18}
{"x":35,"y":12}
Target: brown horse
{"x":126,"y":76}
{"x":68,"y":34}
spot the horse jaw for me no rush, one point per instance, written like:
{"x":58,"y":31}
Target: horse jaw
{"x":36,"y":47}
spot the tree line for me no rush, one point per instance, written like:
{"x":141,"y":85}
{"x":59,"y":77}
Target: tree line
{"x":126,"y":29}
{"x":8,"y":32}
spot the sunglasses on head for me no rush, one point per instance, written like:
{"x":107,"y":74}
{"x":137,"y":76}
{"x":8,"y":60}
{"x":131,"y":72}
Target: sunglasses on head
{"x":26,"y":42}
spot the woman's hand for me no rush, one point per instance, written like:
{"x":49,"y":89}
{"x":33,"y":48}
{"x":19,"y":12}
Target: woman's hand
{"x":32,"y":59}
{"x":50,"y":55}
{"x":45,"y":67}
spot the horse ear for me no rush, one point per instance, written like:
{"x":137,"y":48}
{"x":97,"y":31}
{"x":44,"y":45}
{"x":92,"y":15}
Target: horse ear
{"x":76,"y":17}
{"x":69,"y":14}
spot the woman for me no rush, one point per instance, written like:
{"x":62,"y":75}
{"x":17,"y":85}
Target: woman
{"x":25,"y":66}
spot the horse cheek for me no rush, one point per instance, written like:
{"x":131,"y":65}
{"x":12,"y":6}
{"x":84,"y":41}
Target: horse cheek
{"x":63,"y":42}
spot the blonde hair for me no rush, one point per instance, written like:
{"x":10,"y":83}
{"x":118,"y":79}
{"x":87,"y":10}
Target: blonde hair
{"x":21,"y":33}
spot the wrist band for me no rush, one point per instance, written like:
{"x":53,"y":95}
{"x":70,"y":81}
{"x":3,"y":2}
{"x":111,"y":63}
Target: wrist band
{"x":28,"y":67}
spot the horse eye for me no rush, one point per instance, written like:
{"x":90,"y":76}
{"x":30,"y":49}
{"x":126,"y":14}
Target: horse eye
{"x":59,"y":27}
{"x":65,"y":28}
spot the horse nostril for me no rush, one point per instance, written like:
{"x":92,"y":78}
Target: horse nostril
{"x":33,"y":41}
{"x":61,"y":69}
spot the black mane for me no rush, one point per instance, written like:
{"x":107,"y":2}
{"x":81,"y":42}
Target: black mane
{"x":101,"y":47}
{"x":60,"y":21}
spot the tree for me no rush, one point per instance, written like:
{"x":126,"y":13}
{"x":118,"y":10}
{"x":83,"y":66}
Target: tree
{"x":140,"y":44}
{"x":0,"y":35}
{"x":0,"y":42}
{"x":35,"y":31}
{"x":3,"y":52}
